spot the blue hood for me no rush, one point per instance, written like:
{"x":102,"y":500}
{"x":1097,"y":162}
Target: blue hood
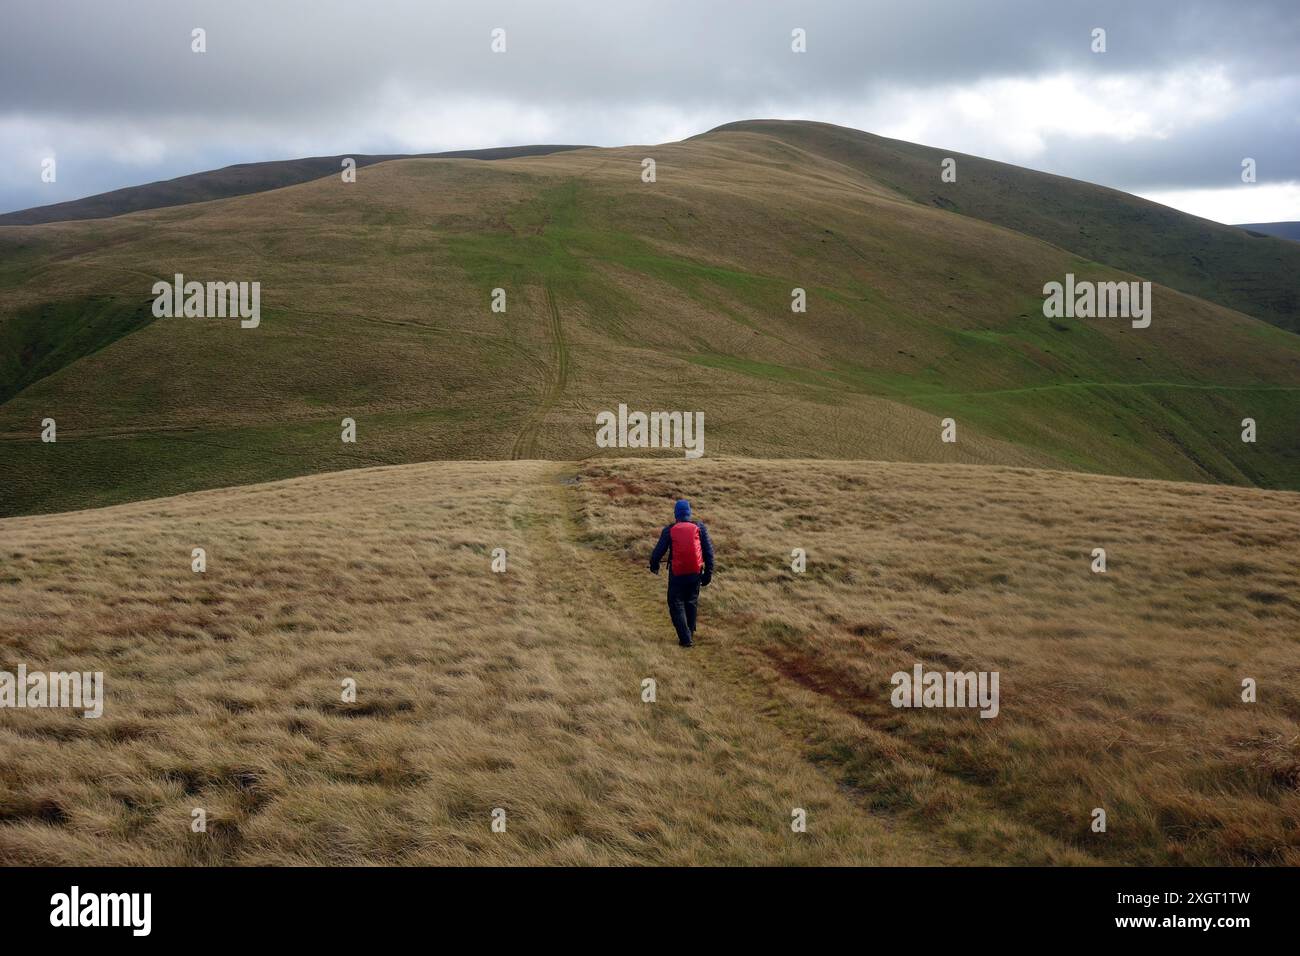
{"x":682,"y":510}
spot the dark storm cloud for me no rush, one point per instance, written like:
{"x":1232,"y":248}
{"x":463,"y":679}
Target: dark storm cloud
{"x":114,"y":90}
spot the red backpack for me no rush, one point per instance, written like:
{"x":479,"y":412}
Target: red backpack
{"x":688,"y":557}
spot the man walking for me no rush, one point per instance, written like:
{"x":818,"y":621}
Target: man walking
{"x":690,"y":567}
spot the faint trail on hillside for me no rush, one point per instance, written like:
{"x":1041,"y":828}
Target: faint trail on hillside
{"x":717,"y":678}
{"x":775,"y":688}
{"x":557,"y":379}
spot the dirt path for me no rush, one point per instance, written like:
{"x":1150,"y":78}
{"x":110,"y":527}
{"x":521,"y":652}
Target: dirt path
{"x":557,"y":379}
{"x":749,"y":769}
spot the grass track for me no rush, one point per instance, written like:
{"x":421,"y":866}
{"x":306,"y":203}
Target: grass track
{"x":557,"y":379}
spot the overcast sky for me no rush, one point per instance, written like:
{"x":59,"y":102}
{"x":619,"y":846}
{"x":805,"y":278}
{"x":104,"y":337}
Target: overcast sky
{"x":1185,"y":91}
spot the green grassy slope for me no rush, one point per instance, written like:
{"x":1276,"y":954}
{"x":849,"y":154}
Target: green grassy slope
{"x":1255,"y":274}
{"x":40,"y":340}
{"x":673,"y":295}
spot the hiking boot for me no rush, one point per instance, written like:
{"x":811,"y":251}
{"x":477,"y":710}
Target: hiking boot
{"x":686,"y":644}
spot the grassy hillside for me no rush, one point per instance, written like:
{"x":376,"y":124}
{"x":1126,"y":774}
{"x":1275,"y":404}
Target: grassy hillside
{"x":673,"y":295}
{"x":523,"y":690}
{"x":1255,"y":274}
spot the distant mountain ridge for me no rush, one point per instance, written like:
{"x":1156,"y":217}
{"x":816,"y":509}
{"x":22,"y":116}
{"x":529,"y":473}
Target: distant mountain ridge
{"x":1282,"y":230}
{"x":238,"y":180}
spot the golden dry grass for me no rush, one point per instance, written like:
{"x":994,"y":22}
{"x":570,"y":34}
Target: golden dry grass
{"x":1118,"y":690}
{"x":523,"y":690}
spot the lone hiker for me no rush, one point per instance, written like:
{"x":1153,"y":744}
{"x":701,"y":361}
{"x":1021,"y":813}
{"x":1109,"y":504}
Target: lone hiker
{"x":690,"y":567}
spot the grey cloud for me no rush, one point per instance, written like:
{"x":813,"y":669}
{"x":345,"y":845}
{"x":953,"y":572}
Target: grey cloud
{"x":1205,"y":156}
{"x":280,"y":76}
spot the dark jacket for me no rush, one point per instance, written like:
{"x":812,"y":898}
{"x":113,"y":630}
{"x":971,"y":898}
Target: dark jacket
{"x":664,"y":547}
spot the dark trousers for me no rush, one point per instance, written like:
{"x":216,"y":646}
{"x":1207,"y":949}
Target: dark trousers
{"x":683,"y":594}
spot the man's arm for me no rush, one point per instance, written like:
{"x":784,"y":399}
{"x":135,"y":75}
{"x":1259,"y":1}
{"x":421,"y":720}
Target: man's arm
{"x":661,"y":548}
{"x":707,"y":547}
